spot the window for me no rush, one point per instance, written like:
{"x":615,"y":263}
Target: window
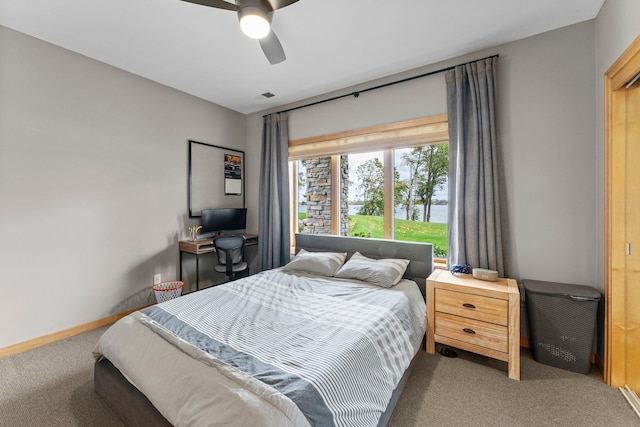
{"x":315,"y":196}
{"x":365,"y":194}
{"x":383,"y":182}
{"x":420,"y":195}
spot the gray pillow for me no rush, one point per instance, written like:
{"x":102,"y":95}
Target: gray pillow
{"x":381,"y":272}
{"x":321,"y":263}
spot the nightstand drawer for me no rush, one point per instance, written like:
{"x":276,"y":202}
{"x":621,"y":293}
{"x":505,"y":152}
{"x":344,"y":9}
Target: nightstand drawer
{"x":472,"y":331}
{"x":477,"y":307}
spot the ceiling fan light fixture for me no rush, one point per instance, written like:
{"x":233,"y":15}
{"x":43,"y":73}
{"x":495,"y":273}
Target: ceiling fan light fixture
{"x":254,"y":22}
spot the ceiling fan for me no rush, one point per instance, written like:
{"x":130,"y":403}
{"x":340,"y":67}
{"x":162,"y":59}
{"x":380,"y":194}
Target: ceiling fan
{"x":255,"y":21}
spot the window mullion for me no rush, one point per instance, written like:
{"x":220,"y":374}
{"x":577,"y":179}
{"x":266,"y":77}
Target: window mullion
{"x":293,"y":201}
{"x":336,"y":203}
{"x":388,"y":194}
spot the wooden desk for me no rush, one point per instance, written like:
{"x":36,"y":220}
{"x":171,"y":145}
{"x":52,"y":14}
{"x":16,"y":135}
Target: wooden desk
{"x":205,"y":246}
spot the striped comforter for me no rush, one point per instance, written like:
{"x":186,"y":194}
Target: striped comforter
{"x":332,"y":349}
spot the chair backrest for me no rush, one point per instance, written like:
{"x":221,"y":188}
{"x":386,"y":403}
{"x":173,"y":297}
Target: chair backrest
{"x":233,"y":245}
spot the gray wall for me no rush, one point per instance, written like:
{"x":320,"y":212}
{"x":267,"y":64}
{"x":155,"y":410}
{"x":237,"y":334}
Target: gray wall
{"x":93,"y":185}
{"x":546,"y":132}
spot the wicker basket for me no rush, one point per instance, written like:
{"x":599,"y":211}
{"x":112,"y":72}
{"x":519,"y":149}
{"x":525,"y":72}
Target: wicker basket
{"x":168,"y":290}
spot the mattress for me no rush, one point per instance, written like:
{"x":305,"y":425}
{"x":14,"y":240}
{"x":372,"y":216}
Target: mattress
{"x":277,"y":348}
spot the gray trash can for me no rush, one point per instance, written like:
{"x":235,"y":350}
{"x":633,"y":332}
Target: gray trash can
{"x":562,"y":322}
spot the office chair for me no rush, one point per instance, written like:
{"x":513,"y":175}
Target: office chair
{"x":230,"y":251}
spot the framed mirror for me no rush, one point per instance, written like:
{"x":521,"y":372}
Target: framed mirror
{"x":216,"y":177}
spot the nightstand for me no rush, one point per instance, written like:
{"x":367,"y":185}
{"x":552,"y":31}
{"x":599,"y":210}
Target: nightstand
{"x":475,"y":315}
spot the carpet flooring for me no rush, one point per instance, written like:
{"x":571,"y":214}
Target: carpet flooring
{"x":53,"y":386}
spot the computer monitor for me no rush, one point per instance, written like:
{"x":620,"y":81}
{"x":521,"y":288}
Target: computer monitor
{"x":215,"y":222}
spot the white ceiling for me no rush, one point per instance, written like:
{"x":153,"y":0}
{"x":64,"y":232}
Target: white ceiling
{"x":330,"y":44}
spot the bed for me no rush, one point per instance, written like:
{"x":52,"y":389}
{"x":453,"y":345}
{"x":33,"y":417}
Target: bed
{"x":308,"y":344}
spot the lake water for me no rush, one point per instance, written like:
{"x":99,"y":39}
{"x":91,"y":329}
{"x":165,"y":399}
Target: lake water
{"x":438,"y":212}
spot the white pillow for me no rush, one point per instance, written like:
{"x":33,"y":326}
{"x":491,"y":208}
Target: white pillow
{"x":321,"y":263}
{"x":381,"y":272}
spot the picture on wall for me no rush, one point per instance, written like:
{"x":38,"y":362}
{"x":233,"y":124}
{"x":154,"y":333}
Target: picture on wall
{"x":232,"y":174}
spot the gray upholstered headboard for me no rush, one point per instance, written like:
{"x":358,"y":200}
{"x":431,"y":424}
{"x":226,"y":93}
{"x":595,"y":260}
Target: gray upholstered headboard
{"x":420,"y":255}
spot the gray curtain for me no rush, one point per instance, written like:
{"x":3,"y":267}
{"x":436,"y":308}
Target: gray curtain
{"x":475,"y":236}
{"x":273,"y":220}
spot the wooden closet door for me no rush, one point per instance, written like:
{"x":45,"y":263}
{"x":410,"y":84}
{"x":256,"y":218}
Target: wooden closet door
{"x":632,"y":282}
{"x":622,"y":220}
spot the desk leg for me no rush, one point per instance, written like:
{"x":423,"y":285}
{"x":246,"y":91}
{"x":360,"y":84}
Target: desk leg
{"x":181,"y":266}
{"x":197,"y":272}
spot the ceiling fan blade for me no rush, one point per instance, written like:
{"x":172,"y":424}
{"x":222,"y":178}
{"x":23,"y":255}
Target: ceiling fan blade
{"x":272,"y":48}
{"x":279,"y":4}
{"x":218,"y":4}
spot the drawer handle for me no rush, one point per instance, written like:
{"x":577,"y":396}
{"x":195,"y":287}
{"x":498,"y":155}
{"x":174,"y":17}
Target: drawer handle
{"x":467,"y":305}
{"x":469,"y":331}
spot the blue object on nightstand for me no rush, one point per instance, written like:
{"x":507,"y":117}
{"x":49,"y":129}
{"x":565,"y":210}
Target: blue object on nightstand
{"x":461,"y":269}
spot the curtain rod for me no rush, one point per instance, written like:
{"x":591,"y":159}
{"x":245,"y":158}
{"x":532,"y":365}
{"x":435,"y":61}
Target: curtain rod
{"x":358,"y":92}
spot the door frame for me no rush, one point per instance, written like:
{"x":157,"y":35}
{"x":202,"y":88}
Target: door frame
{"x":622,"y":70}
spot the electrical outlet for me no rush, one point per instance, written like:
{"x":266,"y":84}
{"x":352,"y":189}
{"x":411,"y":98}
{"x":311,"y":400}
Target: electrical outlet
{"x":157,"y":279}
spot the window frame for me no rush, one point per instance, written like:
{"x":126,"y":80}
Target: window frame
{"x":386,"y":138}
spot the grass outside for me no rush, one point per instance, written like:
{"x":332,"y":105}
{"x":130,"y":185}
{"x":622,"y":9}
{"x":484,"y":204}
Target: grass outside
{"x":411,"y":231}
